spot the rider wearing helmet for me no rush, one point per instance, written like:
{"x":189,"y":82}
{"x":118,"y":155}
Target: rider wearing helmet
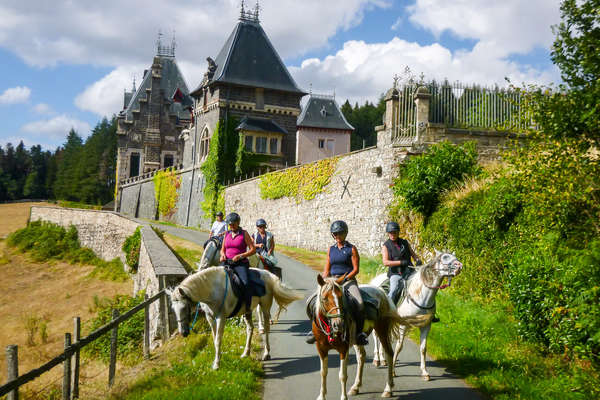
{"x":263,"y":240}
{"x":237,"y":247}
{"x":396,"y":254}
{"x":343,"y":260}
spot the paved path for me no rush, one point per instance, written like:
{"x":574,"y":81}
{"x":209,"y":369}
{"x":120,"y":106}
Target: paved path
{"x":293,"y":373}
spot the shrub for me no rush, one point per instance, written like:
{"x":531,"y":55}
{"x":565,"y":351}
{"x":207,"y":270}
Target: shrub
{"x":422,"y":179}
{"x":131,"y":248}
{"x":131,"y":331}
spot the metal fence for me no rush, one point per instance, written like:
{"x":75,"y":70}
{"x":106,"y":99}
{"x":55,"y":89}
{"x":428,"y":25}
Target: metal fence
{"x":404,"y":120}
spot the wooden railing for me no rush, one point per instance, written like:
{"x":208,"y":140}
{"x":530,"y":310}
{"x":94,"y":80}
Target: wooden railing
{"x":70,"y":357}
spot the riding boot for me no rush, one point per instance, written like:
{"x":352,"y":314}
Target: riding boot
{"x":310,"y":338}
{"x":361,"y":337}
{"x":435,"y":319}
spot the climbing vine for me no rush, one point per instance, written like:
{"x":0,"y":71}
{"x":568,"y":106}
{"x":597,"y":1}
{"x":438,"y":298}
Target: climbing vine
{"x":131,"y":248}
{"x":166,"y":183}
{"x":304,"y":182}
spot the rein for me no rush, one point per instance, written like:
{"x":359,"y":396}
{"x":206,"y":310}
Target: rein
{"x":322,"y":319}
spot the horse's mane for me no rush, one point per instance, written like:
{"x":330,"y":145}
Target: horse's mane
{"x":200,"y":281}
{"x":417,"y":277}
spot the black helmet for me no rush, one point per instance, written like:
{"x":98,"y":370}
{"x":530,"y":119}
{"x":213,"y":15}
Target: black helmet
{"x":232,"y":217}
{"x":339,"y":227}
{"x":219,"y":214}
{"x":261,"y":222}
{"x":392,"y":227}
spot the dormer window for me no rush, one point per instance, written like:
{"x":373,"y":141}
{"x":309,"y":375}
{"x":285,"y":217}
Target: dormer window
{"x":323,"y":111}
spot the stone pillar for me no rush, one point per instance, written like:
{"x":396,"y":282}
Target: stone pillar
{"x":422,"y":97}
{"x":390,"y":118}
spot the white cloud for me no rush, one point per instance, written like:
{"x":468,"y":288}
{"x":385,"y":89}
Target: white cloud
{"x":362,"y":71}
{"x":117,"y":33}
{"x":19,"y":94}
{"x":43,"y":108}
{"x":57,"y":127}
{"x":396,"y":24}
{"x":509,"y":26}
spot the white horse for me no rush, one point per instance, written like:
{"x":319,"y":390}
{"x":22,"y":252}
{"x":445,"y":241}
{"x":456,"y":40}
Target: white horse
{"x":212,"y":288}
{"x":418,"y":307}
{"x":211,"y":257}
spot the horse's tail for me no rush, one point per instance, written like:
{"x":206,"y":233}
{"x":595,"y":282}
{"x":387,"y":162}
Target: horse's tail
{"x":282,"y":294}
{"x":390,"y":323}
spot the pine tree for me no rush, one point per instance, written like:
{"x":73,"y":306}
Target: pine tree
{"x":65,"y":186}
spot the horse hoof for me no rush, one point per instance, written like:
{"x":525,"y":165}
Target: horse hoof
{"x":376,"y":363}
{"x":215,"y":366}
{"x":384,"y":363}
{"x":261,"y":331}
{"x":426,"y":377}
{"x":386,"y":394}
{"x":353,"y":392}
{"x":394,"y":374}
{"x":244,"y":355}
{"x":266,"y":357}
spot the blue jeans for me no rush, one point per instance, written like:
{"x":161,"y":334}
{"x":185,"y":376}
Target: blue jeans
{"x":397,"y":283}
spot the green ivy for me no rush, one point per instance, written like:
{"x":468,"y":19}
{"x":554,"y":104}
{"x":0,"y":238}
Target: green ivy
{"x":247,"y":162}
{"x":131,"y":248}
{"x":303,"y":182}
{"x":166,"y":183}
{"x":220,"y":165}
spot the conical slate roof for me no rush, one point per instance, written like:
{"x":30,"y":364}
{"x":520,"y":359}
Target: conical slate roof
{"x":248,"y":58}
{"x":171,"y":80}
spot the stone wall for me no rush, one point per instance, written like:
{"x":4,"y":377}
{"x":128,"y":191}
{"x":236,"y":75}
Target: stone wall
{"x":137,"y":198}
{"x":102,"y":231}
{"x":305,"y":223}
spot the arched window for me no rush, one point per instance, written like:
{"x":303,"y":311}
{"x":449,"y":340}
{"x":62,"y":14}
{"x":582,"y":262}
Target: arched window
{"x":204,"y":145}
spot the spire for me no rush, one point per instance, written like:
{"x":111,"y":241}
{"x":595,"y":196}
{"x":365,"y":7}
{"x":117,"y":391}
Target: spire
{"x":133,"y":86}
{"x":164,"y":50}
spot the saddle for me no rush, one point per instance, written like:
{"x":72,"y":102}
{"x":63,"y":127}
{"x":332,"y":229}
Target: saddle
{"x":385,"y":285}
{"x":256,"y":287}
{"x":217,"y":240}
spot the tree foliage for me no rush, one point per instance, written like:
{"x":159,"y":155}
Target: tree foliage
{"x":364,"y":119}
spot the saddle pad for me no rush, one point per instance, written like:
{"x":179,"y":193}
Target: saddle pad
{"x":257,"y":287}
{"x":367,"y":298}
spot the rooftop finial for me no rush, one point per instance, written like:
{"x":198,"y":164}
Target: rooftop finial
{"x":310,"y":88}
{"x":249,"y":15}
{"x":162,"y":50}
{"x":133,"y":86}
{"x":396,"y":77}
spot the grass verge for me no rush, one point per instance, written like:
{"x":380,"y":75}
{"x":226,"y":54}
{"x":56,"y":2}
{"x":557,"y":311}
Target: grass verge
{"x":188,"y":253}
{"x":182,"y":370}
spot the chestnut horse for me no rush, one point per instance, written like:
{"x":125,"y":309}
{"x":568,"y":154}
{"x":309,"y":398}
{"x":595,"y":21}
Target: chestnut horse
{"x":334,"y":329}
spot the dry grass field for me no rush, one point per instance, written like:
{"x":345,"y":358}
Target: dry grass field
{"x":38,"y":303}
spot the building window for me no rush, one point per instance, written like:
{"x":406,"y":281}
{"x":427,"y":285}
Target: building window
{"x":248,"y":143}
{"x":321,"y":143}
{"x":260,"y":98}
{"x":261,"y":144}
{"x":168,"y":161}
{"x":134,"y":164}
{"x":273,"y":146}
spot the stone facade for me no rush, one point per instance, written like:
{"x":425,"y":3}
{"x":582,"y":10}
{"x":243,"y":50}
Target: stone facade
{"x":150,"y":124}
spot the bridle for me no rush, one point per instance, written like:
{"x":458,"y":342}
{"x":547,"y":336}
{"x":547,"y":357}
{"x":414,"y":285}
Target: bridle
{"x":450,"y":265}
{"x":323,"y":318}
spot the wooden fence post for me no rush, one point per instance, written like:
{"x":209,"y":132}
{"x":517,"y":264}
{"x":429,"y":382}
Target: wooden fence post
{"x":12,"y":368}
{"x":113,"y":351}
{"x":66,"y":386}
{"x":146,"y":329}
{"x":75,"y":358}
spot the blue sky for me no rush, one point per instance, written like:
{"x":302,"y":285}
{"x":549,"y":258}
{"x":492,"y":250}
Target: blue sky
{"x":69,"y":66}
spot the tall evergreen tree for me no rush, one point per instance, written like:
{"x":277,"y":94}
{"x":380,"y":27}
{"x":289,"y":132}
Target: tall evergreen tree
{"x":65,"y":186}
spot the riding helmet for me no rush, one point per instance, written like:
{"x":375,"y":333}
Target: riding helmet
{"x":339,"y":227}
{"x":261,"y":222}
{"x":392,"y":227}
{"x":219,"y":214}
{"x":232,"y":218}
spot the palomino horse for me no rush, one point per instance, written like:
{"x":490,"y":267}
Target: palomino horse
{"x":212,"y":288}
{"x":418,"y":306}
{"x":334,"y":329}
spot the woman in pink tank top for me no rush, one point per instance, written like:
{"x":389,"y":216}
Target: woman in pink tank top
{"x":237,"y":247}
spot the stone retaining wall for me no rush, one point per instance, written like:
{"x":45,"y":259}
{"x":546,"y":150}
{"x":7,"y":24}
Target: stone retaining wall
{"x":305,"y":223}
{"x":105,"y":232}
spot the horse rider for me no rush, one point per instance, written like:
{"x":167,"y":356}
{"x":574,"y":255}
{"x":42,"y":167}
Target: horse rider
{"x":263,"y":240}
{"x":397,"y":255}
{"x":237,"y":247}
{"x":218,"y":229}
{"x":343,"y":260}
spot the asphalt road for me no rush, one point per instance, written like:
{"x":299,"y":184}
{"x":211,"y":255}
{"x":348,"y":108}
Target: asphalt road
{"x":293,"y":371}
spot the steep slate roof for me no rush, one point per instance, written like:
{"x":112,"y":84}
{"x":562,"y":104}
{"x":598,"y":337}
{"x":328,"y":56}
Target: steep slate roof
{"x":260,"y":125}
{"x":322,"y":112}
{"x":248,"y":58}
{"x":171,"y":79}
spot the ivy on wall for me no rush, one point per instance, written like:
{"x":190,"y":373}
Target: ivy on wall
{"x":166,"y":183}
{"x":304,"y":182}
{"x":247,"y":162}
{"x":220,"y":166}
